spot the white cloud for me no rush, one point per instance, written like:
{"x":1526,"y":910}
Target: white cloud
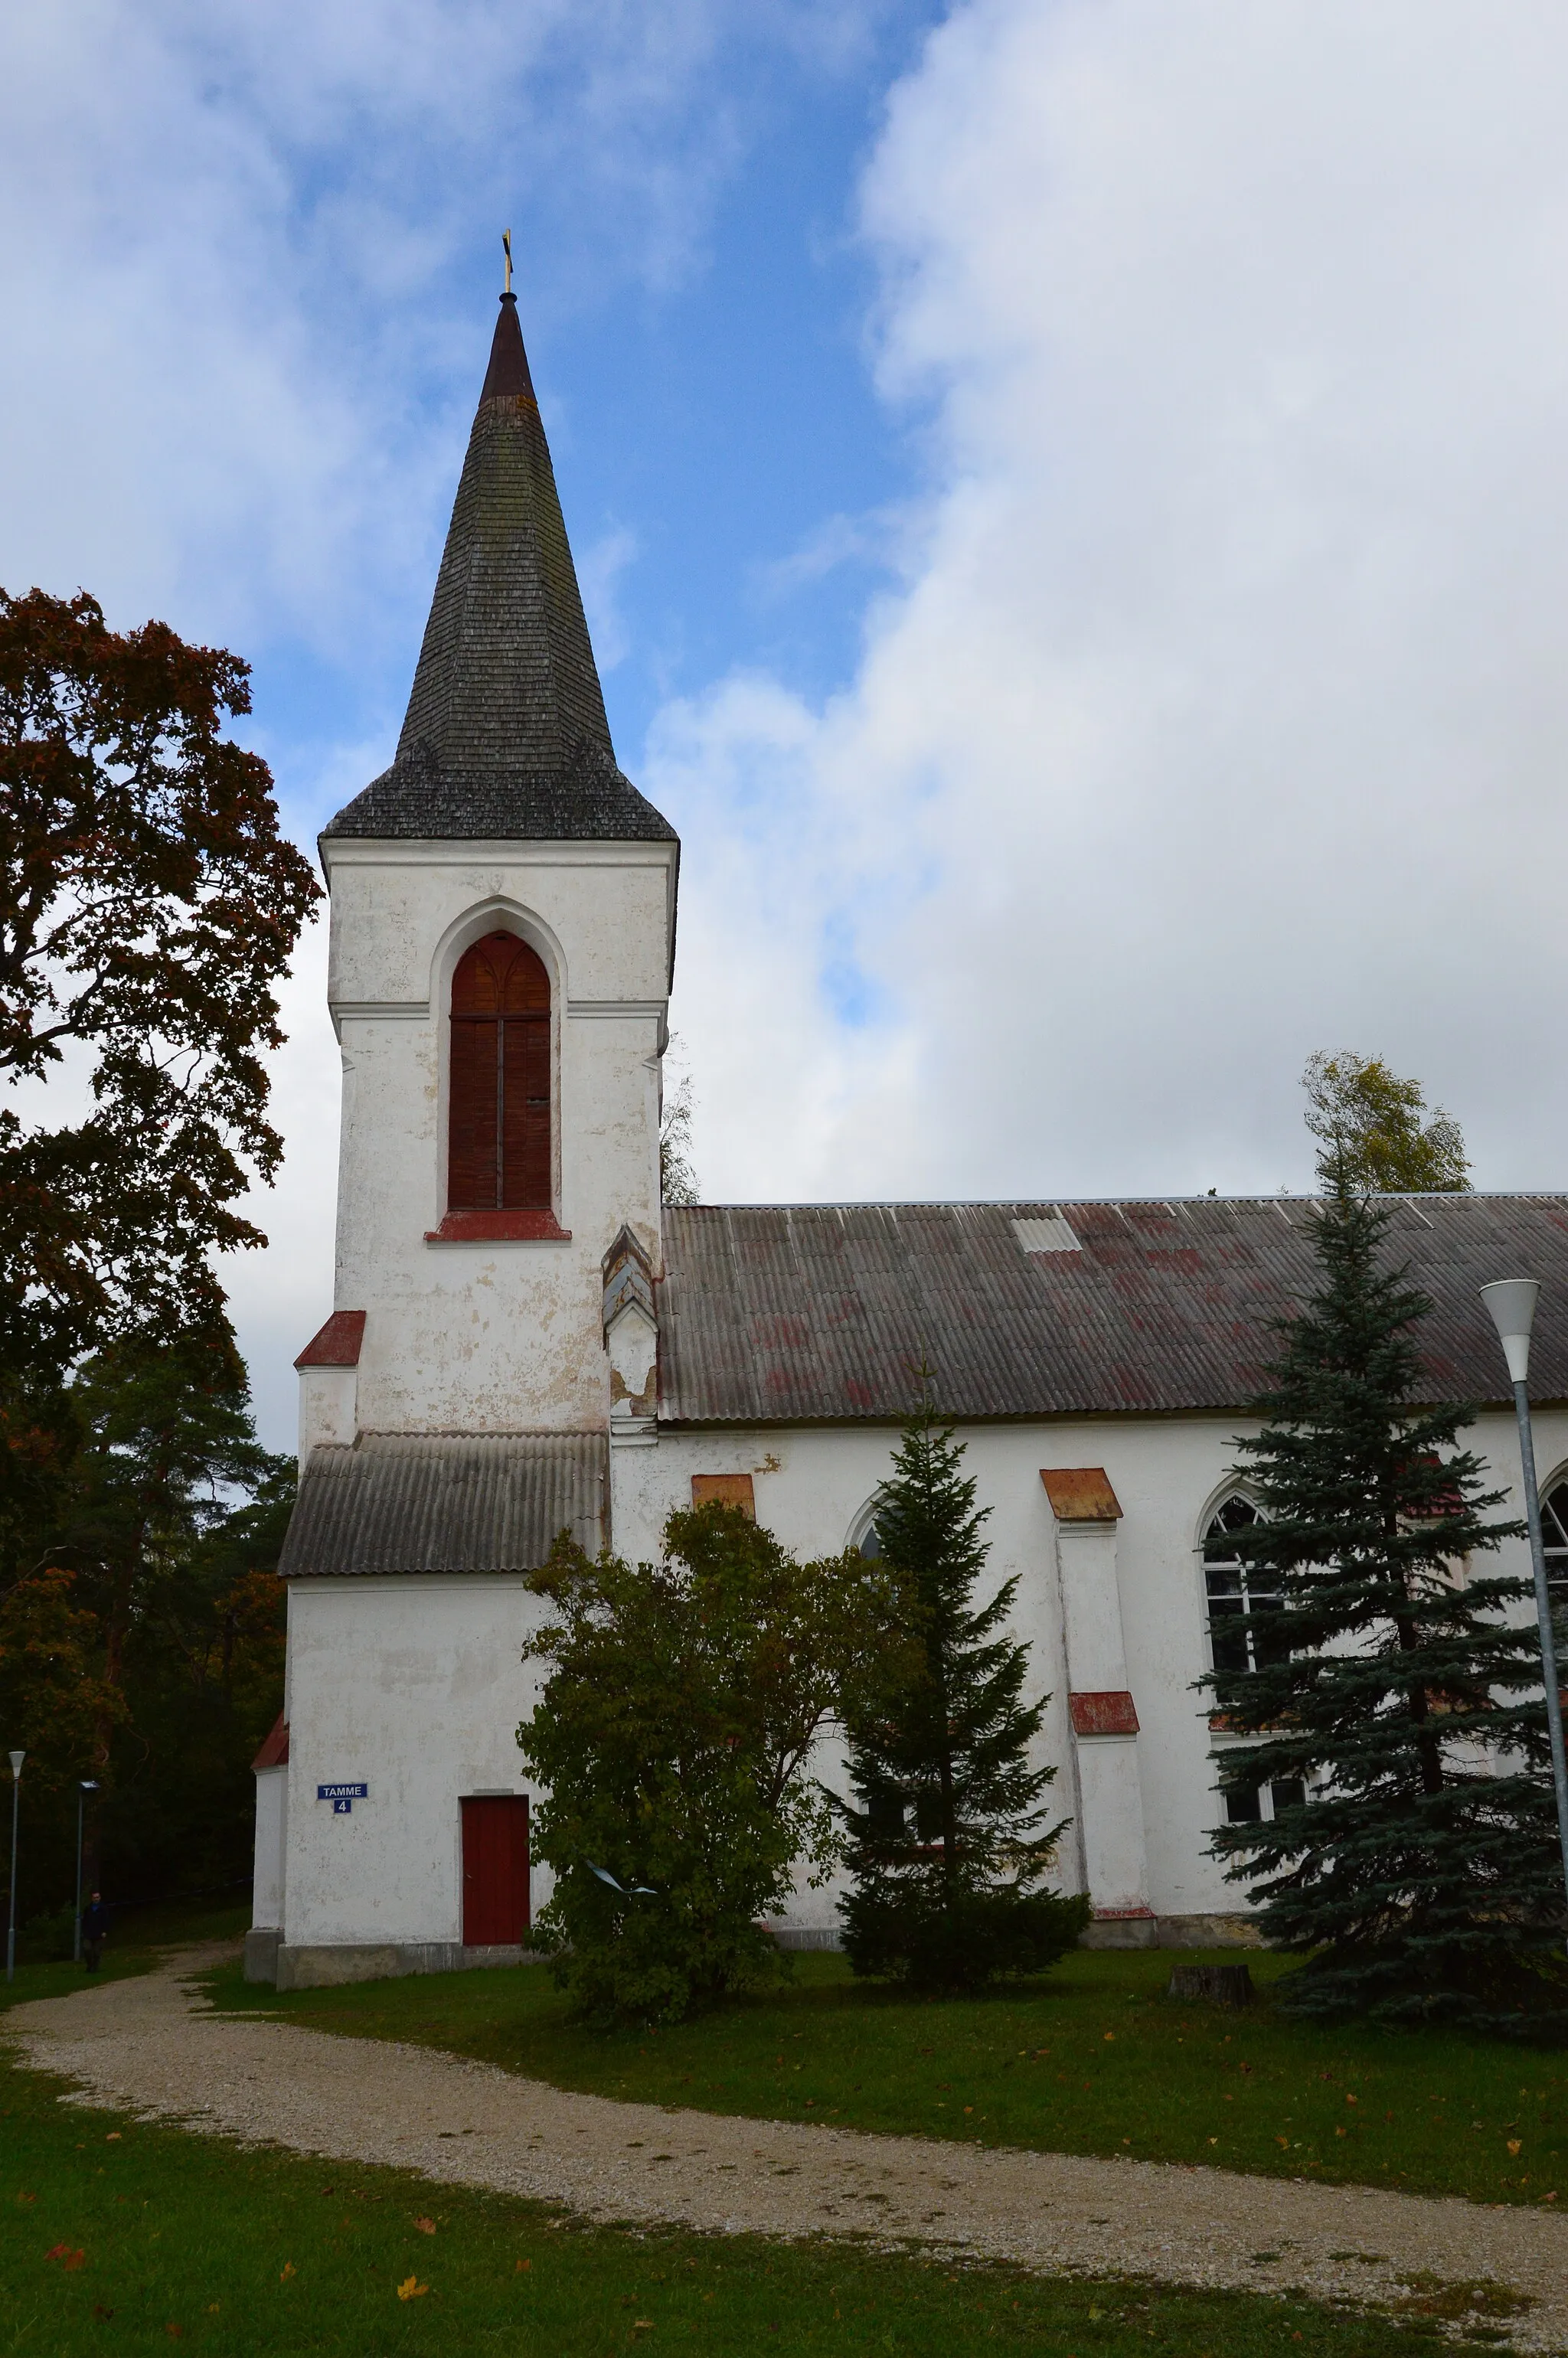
{"x":279,"y":1297}
{"x":599,"y":566}
{"x":1222,"y":713}
{"x":236,"y":244}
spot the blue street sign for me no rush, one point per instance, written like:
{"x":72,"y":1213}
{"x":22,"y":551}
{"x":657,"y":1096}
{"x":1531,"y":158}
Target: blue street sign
{"x":343,"y":1797}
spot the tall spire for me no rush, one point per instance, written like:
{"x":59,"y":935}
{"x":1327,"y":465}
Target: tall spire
{"x":505,"y":734}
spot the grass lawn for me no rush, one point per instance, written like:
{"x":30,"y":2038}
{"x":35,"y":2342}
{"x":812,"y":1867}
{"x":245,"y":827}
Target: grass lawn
{"x":1094,"y":2059}
{"x":116,"y":2235}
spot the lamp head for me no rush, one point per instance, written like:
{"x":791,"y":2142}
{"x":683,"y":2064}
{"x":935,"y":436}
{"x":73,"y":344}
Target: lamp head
{"x":16,"y":1760}
{"x":1511,"y":1301}
{"x":90,"y":1784}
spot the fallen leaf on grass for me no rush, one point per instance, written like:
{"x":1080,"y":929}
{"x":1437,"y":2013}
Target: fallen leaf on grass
{"x":1513,"y":2144}
{"x":411,"y":2288}
{"x":287,"y":2270}
{"x":65,"y":2256}
{"x":521,"y":2265}
{"x":99,"y":2309}
{"x":26,"y":2197}
{"x":426,"y":2226}
{"x":174,"y":2332}
{"x":113,"y":2137}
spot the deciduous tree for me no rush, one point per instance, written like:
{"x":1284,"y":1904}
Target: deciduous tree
{"x":148,"y":907}
{"x":1375,"y":1130}
{"x":673,"y":1736}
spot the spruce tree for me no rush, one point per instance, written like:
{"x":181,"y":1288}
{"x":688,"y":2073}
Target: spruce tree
{"x":948,"y":1847}
{"x":1395,"y":1705}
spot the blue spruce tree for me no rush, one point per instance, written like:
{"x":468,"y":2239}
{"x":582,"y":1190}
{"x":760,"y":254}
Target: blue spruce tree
{"x":1395,"y":1708}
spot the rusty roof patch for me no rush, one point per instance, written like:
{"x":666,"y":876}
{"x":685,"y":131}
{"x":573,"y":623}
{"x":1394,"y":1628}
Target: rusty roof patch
{"x":1081,"y":1494}
{"x":826,"y":1313}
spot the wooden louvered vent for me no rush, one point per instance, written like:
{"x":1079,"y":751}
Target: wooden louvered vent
{"x":499,"y":1134}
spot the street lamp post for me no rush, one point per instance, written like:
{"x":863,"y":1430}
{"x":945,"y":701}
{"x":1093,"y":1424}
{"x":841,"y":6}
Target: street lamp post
{"x":16,"y":1760}
{"x":1512,"y":1304}
{"x":85,"y":1785}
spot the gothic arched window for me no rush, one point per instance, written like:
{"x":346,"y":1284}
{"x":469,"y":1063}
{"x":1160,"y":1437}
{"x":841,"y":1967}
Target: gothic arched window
{"x":1236,"y":1590}
{"x":1554,"y":1531}
{"x":499,"y":1129}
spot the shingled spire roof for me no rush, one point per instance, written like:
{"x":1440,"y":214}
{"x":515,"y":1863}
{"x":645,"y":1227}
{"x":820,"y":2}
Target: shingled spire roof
{"x":505,"y":734}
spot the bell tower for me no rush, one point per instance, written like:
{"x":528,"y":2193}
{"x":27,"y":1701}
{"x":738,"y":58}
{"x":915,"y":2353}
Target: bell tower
{"x":503,"y":931}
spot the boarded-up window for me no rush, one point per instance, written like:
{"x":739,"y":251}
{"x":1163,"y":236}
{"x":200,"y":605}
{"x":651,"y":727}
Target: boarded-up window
{"x":499,"y":1134}
{"x":730,"y":1489}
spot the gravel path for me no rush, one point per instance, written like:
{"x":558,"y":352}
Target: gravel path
{"x":151,"y":2046}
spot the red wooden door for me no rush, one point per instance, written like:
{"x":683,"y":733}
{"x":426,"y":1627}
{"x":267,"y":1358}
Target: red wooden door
{"x":495,"y":1870}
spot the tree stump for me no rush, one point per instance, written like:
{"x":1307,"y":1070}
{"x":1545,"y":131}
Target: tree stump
{"x":1213,"y":1985}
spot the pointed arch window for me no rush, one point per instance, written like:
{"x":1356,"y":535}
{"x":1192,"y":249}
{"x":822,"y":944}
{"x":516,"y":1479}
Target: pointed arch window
{"x":1554,"y":1533}
{"x":500,"y":1126}
{"x":1237,"y":1591}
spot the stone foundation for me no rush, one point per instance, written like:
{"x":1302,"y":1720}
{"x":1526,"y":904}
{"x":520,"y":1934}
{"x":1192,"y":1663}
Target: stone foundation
{"x":1171,"y":1933}
{"x":329,"y":1965}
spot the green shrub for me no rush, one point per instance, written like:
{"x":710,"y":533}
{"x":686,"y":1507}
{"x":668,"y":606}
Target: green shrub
{"x":683,"y":1701}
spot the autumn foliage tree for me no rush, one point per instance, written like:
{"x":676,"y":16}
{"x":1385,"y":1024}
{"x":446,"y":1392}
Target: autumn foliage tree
{"x":1375,"y":1131}
{"x":149,"y":904}
{"x":148,"y":907}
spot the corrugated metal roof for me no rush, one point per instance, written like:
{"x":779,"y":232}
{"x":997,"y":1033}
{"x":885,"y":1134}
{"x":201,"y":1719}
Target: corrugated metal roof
{"x":408,"y":1502}
{"x":781,"y":1313}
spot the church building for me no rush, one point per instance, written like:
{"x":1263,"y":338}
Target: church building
{"x":524,"y":1338}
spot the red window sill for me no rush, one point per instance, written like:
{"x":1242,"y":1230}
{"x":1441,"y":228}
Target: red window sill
{"x":499,"y":1228}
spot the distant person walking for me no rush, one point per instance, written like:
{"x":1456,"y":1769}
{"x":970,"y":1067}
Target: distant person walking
{"x":95,"y":1933}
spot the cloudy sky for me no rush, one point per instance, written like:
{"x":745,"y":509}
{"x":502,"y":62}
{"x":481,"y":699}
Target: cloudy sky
{"x":1073,"y":497}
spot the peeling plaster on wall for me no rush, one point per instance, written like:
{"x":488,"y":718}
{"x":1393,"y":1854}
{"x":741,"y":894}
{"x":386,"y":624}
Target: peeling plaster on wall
{"x":444,"y":1321}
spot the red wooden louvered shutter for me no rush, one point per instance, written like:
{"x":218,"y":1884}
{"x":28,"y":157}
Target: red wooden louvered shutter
{"x":499,"y":1156}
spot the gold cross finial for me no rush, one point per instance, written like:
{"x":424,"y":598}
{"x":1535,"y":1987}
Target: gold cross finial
{"x":506,"y":249}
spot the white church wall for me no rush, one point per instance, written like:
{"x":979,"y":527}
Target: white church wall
{"x":271,"y":1839}
{"x":813,"y":1485}
{"x":328,"y":1399}
{"x":414,"y":1686}
{"x":492,"y":1337}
